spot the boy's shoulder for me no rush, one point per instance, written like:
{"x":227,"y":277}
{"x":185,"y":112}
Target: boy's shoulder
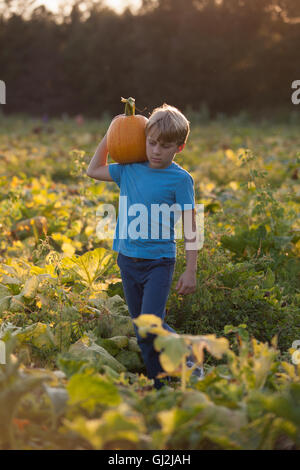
{"x":184,"y":174}
{"x":173,"y":170}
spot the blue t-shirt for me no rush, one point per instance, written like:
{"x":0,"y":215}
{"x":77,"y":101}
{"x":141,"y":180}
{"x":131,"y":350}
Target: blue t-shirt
{"x":150,"y":204}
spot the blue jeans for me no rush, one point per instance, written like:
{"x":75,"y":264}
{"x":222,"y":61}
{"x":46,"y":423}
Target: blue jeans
{"x":146,"y":286}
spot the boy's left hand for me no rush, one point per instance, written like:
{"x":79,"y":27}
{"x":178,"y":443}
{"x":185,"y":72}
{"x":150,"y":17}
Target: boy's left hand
{"x":186,"y":283}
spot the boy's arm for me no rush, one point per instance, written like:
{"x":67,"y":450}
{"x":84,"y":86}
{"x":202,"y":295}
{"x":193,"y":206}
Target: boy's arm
{"x":98,"y":168}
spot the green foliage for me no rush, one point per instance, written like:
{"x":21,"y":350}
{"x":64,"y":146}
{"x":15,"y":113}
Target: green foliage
{"x":272,"y":231}
{"x":244,"y":397}
{"x":252,"y":401}
{"x":85,"y":348}
{"x":88,"y":391}
{"x":117,"y":428}
{"x":174,"y":348}
{"x":234,"y":293}
{"x":71,"y":365}
{"x":13,"y":386}
{"x":90,"y":266}
{"x":131,"y":360}
{"x":62,"y":301}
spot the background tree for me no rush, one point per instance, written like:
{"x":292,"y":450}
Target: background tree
{"x":232,"y":55}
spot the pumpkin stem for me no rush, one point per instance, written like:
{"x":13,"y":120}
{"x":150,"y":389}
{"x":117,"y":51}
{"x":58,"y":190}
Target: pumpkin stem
{"x":129,"y":106}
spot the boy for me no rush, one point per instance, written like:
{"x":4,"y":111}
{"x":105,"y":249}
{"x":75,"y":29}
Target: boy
{"x":147,"y":261}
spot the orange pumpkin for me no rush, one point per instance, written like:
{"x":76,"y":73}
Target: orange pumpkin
{"x":126,"y":139}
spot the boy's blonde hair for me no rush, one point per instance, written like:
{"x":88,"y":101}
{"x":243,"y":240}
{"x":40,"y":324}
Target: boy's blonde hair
{"x":171,"y":124}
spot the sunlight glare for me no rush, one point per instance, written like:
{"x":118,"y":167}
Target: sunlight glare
{"x":118,"y":5}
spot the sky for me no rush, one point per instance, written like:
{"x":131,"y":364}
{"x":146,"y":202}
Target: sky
{"x":118,"y":5}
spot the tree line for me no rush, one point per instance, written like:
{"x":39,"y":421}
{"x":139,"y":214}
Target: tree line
{"x":227,"y":55}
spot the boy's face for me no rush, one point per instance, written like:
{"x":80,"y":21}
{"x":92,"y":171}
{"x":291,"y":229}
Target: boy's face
{"x":160,"y":154}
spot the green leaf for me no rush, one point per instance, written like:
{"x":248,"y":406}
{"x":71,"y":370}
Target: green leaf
{"x":5,"y":303}
{"x":71,"y":365}
{"x":114,"y":304}
{"x":116,"y":429}
{"x":90,"y":265}
{"x":173,"y":349}
{"x":4,"y":290}
{"x":90,"y":390}
{"x":215,"y":346}
{"x":38,"y":334}
{"x":17,"y":303}
{"x":269,"y":279}
{"x":95,"y":353}
{"x":10,"y":280}
{"x":131,"y":360}
{"x":30,"y":288}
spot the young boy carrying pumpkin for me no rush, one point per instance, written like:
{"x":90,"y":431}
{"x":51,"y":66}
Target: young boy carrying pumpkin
{"x":147,"y":261}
